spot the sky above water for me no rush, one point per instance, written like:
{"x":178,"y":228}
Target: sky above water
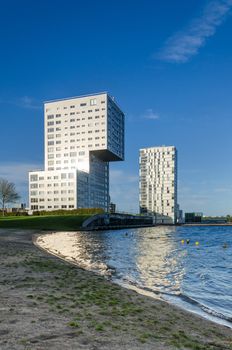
{"x":167,"y":63}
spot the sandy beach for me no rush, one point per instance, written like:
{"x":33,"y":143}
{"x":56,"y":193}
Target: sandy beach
{"x":47,"y":303}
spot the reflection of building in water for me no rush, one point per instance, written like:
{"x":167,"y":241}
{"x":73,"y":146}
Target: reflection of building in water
{"x":158,"y":183}
{"x":158,"y":260}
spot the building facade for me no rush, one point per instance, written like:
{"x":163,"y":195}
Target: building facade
{"x":158,"y":183}
{"x":81,"y":136}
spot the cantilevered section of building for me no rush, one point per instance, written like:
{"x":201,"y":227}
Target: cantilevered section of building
{"x":81,"y":136}
{"x":158,"y":183}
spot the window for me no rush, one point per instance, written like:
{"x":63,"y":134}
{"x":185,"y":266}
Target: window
{"x":34,"y":177}
{"x":34,"y":185}
{"x":83,"y":104}
{"x":50,"y":129}
{"x":33,"y":193}
{"x":50,"y":123}
{"x":93,"y":101}
{"x":51,"y":116}
{"x":34,"y":200}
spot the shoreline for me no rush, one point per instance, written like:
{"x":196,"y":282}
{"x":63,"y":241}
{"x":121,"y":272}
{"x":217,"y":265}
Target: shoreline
{"x":171,"y":300}
{"x":48,"y":303}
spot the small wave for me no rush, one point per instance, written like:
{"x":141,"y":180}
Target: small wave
{"x":163,"y":295}
{"x":204,"y":307}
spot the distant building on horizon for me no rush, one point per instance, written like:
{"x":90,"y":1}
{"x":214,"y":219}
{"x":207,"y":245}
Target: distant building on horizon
{"x":158,"y":183}
{"x":112,"y":208}
{"x":191,"y":218}
{"x":81,"y":136}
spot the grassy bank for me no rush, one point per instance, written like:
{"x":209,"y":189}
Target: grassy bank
{"x":49,"y":304}
{"x":56,"y":222}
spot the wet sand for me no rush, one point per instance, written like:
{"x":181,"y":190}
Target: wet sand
{"x":47,"y":303}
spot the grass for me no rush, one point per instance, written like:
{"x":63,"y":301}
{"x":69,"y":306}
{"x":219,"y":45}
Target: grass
{"x":102,"y":307}
{"x":56,"y":222}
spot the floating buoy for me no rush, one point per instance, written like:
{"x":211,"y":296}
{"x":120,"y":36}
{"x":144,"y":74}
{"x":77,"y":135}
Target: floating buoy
{"x":197,"y":243}
{"x":187,"y":241}
{"x":182,"y":241}
{"x":225,"y":245}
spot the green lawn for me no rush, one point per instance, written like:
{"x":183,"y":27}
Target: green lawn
{"x":56,"y":222}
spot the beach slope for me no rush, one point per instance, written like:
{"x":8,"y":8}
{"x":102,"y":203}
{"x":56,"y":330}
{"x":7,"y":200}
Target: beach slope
{"x":47,"y":303}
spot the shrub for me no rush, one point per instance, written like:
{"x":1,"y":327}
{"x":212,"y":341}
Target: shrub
{"x":79,"y":211}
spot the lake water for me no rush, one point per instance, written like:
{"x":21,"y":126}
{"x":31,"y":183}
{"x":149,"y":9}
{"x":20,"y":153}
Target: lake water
{"x":158,"y":261}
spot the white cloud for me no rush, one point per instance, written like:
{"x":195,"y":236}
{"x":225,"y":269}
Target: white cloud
{"x":149,"y":114}
{"x":181,"y":46}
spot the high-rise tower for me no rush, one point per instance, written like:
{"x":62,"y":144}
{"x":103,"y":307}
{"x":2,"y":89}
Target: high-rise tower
{"x":158,"y":183}
{"x":81,"y":136}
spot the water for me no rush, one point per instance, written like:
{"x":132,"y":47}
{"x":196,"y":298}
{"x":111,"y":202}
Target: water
{"x":155,"y":261}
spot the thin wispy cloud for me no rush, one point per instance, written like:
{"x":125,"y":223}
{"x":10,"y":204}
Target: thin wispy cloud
{"x":149,"y":114}
{"x":180,"y":47}
{"x":23,"y":102}
{"x":28,"y":103}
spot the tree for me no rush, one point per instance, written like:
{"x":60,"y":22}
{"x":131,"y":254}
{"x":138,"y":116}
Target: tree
{"x":8,"y":194}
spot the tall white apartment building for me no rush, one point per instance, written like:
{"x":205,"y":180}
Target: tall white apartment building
{"x":158,"y":183}
{"x":81,"y":136}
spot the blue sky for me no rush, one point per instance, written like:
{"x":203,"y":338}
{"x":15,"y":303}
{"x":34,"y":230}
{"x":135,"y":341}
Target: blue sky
{"x":168,"y":64}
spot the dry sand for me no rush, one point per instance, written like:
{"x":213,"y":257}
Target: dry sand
{"x":46,"y":303}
